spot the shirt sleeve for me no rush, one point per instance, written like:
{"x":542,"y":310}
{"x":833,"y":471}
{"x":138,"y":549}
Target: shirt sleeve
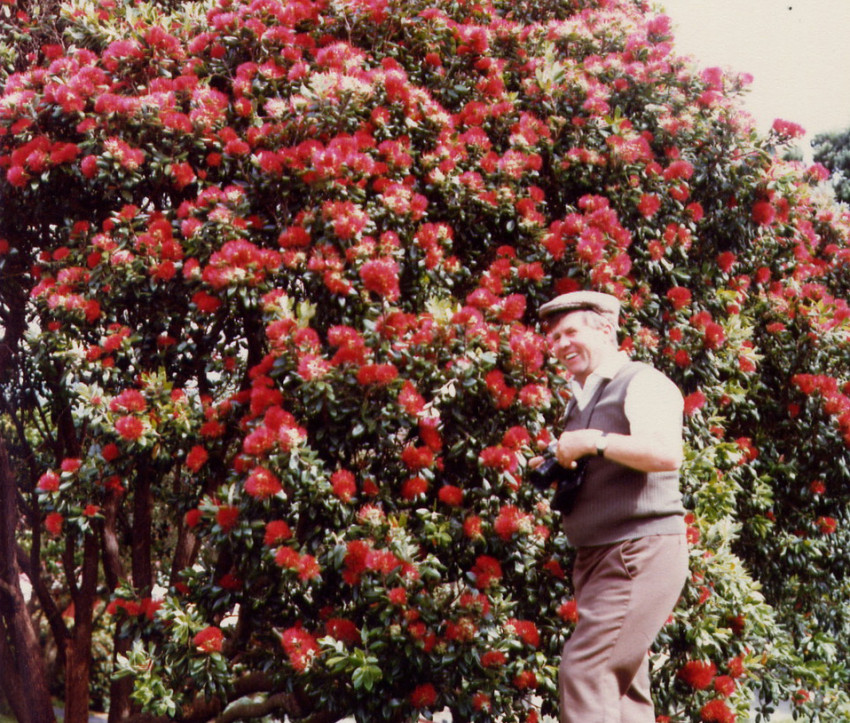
{"x":654,"y":404}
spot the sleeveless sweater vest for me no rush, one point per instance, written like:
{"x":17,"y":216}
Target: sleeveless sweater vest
{"x":618,"y":503}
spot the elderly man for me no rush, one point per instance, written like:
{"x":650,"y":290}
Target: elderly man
{"x":627,"y":521}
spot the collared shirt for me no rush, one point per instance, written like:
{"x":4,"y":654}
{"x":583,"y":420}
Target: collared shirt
{"x":653,"y":401}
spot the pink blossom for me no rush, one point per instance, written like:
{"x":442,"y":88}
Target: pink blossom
{"x":262,"y":483}
{"x":129,"y":427}
{"x":649,"y":204}
{"x":301,"y":647}
{"x":48,"y":482}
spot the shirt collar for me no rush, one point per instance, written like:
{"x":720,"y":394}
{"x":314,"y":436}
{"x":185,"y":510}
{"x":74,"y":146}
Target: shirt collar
{"x":606,"y":370}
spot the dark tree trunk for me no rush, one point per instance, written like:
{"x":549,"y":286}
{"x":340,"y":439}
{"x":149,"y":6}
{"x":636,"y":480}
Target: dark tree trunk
{"x":20,"y":644}
{"x":78,"y":650}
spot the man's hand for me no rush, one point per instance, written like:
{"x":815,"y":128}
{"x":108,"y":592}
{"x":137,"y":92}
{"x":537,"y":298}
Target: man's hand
{"x":535,"y":461}
{"x":576,"y":444}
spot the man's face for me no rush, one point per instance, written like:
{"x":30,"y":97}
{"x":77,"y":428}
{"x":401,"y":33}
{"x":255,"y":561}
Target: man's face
{"x":579,"y":346}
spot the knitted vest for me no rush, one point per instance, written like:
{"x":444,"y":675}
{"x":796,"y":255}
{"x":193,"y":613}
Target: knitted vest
{"x":618,"y":503}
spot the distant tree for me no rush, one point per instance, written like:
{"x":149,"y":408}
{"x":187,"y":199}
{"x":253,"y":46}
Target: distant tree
{"x":832,"y":150}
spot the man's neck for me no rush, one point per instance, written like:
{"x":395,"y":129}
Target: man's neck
{"x":607,"y":364}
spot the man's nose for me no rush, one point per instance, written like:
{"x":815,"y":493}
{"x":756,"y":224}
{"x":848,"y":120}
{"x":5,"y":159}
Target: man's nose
{"x":559,"y":344}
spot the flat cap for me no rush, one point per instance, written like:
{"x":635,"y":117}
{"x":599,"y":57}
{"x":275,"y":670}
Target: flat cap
{"x":603,"y":304}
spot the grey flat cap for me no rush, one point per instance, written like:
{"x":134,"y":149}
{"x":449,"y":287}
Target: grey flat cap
{"x":603,"y":304}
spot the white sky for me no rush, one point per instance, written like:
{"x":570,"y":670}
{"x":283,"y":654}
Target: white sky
{"x":798,"y":52}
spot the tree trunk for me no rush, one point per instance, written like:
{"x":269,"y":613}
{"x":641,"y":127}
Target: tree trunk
{"x":11,"y":687}
{"x":120,"y":706}
{"x":142,"y":523}
{"x":21,"y":640}
{"x":78,"y":650}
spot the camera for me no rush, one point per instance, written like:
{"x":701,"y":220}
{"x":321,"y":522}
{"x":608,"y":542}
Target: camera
{"x":568,"y":480}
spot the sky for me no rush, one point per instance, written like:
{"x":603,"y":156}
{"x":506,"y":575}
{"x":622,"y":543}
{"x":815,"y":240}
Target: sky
{"x":798,"y":52}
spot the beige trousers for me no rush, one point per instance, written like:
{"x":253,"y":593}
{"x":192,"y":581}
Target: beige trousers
{"x":625,"y":593}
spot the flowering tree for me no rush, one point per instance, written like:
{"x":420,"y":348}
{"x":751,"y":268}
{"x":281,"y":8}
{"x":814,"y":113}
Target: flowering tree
{"x":271,"y":370}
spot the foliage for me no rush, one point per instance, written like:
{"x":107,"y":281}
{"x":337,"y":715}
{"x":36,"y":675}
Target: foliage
{"x":833,"y":151}
{"x":270,"y":280}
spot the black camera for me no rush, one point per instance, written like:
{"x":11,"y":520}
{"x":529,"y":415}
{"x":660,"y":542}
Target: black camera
{"x":568,"y":481}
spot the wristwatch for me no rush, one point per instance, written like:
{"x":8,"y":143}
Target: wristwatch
{"x":601,"y":444}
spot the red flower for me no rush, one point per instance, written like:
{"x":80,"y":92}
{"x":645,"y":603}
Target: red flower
{"x":397,"y":596}
{"x":277,"y":531}
{"x":726,"y":261}
{"x":381,"y":277}
{"x":516,"y":437}
{"x":192,"y":518}
{"x":196,"y":458}
{"x":499,"y":458}
{"x":206,"y":303}
{"x":48,"y":482}
{"x":510,"y":521}
{"x":526,"y":630}
{"x":306,"y":565}
{"x":342,"y":629}
{"x":716,"y":711}
{"x":129,"y":427}
{"x":377,"y":374}
{"x":414,"y":487}
{"x":788,"y":129}
{"x":430,"y":433}
{"x":800,"y":697}
{"x":300,"y":646}
{"x":553,"y":567}
{"x":493,"y":659}
{"x":713,"y":335}
{"x":343,"y":484}
{"x":502,"y":393}
{"x":481,"y":701}
{"x":227,"y":517}
{"x":763,"y":213}
{"x":735,"y":667}
{"x":410,"y":400}
{"x":487,"y":571}
{"x":423,"y":696}
{"x":724,"y":685}
{"x":262,"y":484}
{"x":130,"y":400}
{"x":88,"y":165}
{"x":17,"y":176}
{"x":649,"y":204}
{"x":70,"y":464}
{"x":416,"y":458}
{"x":209,"y":640}
{"x":472,"y":526}
{"x":678,"y":170}
{"x":679,"y":296}
{"x":451,"y":495}
{"x":698,"y":674}
{"x":826,"y":525}
{"x":526,"y":680}
{"x":694,"y":401}
{"x":53,"y":523}
{"x":568,"y":612}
